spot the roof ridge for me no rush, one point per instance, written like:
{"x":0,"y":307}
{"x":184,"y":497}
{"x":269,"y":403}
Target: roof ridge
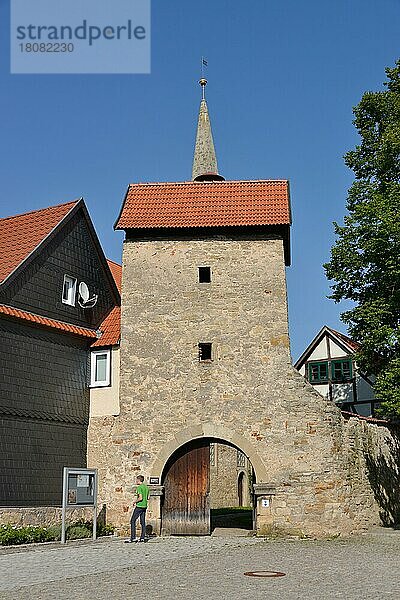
{"x":30,"y":212}
{"x":219,"y":183}
{"x":341,"y":334}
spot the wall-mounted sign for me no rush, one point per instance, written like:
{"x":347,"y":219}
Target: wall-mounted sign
{"x":154,"y":480}
{"x":265,"y":502}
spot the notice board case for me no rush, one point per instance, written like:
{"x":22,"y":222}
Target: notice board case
{"x":79,"y":489}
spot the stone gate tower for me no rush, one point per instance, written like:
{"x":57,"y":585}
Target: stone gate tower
{"x":205,"y":354}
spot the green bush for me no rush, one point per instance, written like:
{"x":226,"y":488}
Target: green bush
{"x":77,"y":532}
{"x":12,"y":535}
{"x":101,"y":529}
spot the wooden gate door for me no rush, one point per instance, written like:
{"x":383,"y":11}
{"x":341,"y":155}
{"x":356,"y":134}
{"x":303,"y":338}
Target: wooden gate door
{"x":186,"y":508}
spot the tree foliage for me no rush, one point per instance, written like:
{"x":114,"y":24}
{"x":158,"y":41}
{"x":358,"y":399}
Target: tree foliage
{"x":364,"y":265}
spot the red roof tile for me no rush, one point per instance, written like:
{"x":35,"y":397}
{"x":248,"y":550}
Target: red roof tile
{"x":351,"y":343}
{"x":111,"y":326}
{"x":116,"y":271}
{"x":23,"y":315}
{"x":206,"y":204}
{"x":347,"y":415}
{"x":21,"y":234}
{"x":110,"y":329}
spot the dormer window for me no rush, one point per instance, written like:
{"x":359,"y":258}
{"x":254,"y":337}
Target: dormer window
{"x":69,"y":290}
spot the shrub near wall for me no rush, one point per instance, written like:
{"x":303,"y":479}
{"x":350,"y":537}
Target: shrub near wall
{"x":12,"y":535}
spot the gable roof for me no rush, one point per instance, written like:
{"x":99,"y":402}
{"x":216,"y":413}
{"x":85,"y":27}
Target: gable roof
{"x":110,"y":328}
{"x":341,"y":339}
{"x":21,"y":234}
{"x":205,"y":204}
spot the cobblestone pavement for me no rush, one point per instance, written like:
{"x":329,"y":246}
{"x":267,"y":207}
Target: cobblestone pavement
{"x":362,"y":568}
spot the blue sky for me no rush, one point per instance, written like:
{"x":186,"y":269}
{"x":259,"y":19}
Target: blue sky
{"x":283,"y":78}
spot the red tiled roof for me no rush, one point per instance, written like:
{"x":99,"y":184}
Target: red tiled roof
{"x":116,"y":271}
{"x":23,"y":315}
{"x":21,"y":234}
{"x":206,"y":204}
{"x":351,"y":343}
{"x":348,"y":415}
{"x":111,"y":326}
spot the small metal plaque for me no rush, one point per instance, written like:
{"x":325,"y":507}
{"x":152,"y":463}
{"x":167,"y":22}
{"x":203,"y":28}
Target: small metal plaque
{"x":154,"y":481}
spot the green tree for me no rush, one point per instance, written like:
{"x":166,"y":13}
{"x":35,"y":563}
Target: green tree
{"x":364,"y":265}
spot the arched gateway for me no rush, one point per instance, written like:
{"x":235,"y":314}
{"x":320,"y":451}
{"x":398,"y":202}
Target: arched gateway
{"x":205,"y":355}
{"x":188,"y":478}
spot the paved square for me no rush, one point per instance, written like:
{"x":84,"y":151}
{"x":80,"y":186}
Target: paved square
{"x":362,"y":568}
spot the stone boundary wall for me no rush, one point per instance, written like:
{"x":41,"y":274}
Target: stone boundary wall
{"x":373,"y":463}
{"x":367,"y":490}
{"x":42,"y":515}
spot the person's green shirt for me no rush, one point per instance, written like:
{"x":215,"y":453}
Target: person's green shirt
{"x":144,"y":491}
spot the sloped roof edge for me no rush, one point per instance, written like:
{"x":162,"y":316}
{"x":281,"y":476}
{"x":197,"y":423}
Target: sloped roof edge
{"x":341,"y":338}
{"x":30,"y":254}
{"x":24,"y":315}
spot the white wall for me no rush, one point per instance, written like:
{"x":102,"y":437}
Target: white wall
{"x":105,"y":400}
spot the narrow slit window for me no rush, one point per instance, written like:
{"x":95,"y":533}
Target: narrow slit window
{"x":204,"y":274}
{"x":205,"y":351}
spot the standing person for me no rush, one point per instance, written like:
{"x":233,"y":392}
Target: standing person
{"x":142,"y":493}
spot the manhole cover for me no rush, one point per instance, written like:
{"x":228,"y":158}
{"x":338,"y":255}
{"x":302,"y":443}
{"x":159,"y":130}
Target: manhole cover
{"x":265,"y":574}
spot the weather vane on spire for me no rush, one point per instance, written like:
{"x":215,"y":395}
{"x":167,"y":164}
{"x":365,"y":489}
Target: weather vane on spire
{"x":203,"y":80}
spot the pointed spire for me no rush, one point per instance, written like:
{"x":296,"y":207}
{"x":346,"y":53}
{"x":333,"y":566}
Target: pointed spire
{"x":205,"y":166}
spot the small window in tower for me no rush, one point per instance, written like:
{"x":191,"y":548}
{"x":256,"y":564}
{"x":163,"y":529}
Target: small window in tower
{"x":205,"y":351}
{"x":204,"y":274}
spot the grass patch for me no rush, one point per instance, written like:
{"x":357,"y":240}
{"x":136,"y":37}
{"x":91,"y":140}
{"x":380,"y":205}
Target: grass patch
{"x":233,"y":516}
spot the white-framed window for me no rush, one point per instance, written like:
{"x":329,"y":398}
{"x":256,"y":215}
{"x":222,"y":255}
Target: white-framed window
{"x":69,"y":290}
{"x":100,"y":368}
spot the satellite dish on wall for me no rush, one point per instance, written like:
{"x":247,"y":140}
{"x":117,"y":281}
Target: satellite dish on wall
{"x":84,"y":299}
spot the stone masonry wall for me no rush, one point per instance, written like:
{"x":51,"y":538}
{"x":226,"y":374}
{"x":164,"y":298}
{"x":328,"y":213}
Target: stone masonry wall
{"x":42,"y":515}
{"x":249,"y":394}
{"x":224,"y":478}
{"x":373,"y":467}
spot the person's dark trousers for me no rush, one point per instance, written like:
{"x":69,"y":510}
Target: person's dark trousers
{"x":138,"y":513}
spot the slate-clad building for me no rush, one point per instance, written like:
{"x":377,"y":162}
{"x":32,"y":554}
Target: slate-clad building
{"x":56,"y":288}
